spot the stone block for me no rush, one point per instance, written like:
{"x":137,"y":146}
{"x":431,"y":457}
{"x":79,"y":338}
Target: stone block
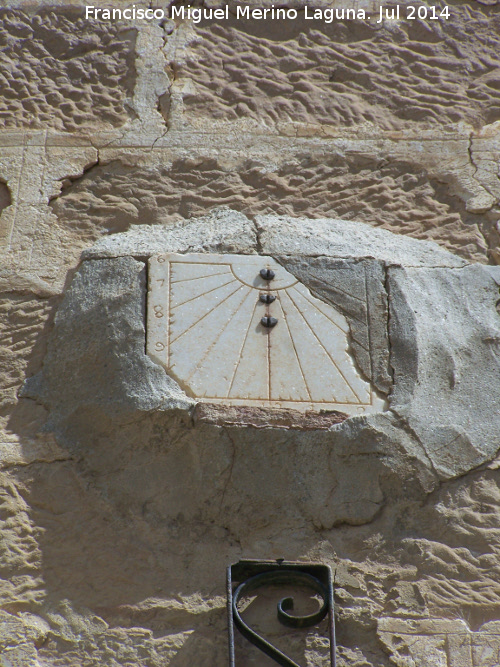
{"x":445,"y":335}
{"x":420,"y":643}
{"x":414,"y":311}
{"x":97,"y":353}
{"x":346,"y":73}
{"x":64,"y":72}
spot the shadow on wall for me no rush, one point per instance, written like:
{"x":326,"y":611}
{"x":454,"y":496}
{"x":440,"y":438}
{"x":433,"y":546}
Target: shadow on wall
{"x":26,"y":323}
{"x":138,"y":518}
{"x":139,"y":525}
{"x":5,"y":196}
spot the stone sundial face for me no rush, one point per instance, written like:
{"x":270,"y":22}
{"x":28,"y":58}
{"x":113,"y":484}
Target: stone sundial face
{"x":241,"y":330}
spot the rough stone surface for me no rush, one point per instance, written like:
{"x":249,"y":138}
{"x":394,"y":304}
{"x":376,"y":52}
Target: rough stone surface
{"x":222,"y":230}
{"x":445,"y":336}
{"x":58,"y":70}
{"x":20,"y":636}
{"x":107,"y":298}
{"x":365,"y":472}
{"x":444,"y":642}
{"x":394,"y":194}
{"x":224,"y":415}
{"x":117,"y":519}
{"x":345,"y":239}
{"x":25,"y":320}
{"x":348,"y":73}
{"x":230,"y":231}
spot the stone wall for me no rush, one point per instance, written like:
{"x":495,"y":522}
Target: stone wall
{"x":118,"y":513}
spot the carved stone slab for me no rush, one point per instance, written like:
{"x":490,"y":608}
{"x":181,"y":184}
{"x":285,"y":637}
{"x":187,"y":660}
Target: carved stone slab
{"x":207,"y":327}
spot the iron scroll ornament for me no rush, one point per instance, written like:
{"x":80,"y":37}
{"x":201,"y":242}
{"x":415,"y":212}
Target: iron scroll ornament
{"x":249,"y":575}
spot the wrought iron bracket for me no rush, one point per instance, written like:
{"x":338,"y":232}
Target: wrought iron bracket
{"x":248,"y":575}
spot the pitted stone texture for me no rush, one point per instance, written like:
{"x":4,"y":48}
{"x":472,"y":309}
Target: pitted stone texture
{"x":61,"y":71}
{"x":20,"y":554}
{"x":349,"y":73}
{"x":396,"y":195}
{"x":142,"y":482}
{"x":20,"y":636}
{"x":116,"y":529}
{"x":445,"y":352}
{"x":117,"y":538}
{"x":24,"y":321}
{"x":78,"y":636}
{"x":82,"y":370}
{"x":461,"y":561}
{"x":155,"y":484}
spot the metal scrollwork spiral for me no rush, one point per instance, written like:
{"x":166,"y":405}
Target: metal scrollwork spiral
{"x":284,"y":606}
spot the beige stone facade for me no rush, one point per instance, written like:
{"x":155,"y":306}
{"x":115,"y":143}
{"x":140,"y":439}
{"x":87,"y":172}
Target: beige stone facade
{"x":121,"y":508}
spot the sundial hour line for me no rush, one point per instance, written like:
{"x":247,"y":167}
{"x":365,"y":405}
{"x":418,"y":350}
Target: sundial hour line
{"x":249,"y":333}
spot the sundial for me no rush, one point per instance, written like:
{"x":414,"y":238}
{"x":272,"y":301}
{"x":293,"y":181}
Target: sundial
{"x":240,"y":330}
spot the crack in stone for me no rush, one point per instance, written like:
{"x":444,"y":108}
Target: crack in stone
{"x":27,"y":464}
{"x":387,"y":290}
{"x":258,"y":236}
{"x":68,"y":181}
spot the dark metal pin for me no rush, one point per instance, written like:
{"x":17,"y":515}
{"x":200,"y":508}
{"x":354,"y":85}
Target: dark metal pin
{"x":269,"y":322}
{"x":267,"y":298}
{"x":267,"y":274}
